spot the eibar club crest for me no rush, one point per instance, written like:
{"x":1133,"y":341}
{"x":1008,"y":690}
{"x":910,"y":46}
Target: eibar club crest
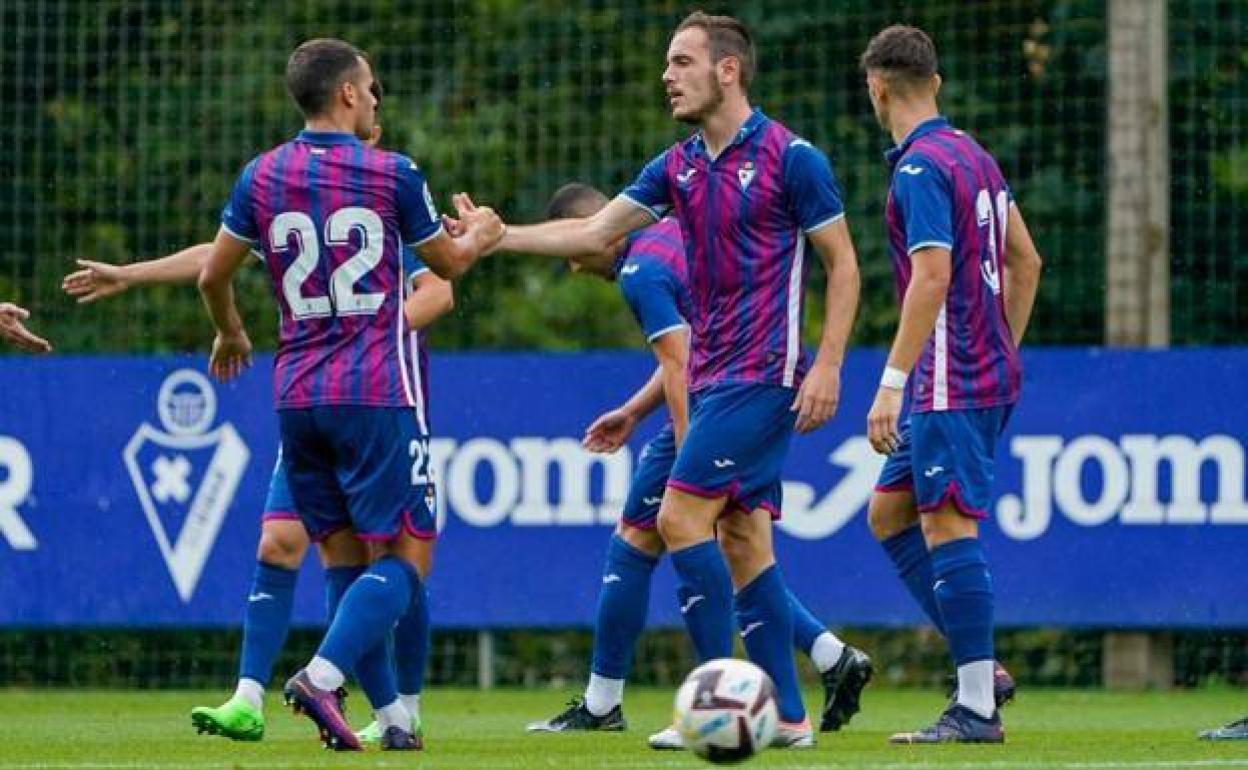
{"x":745,"y":174}
{"x":186,"y":475}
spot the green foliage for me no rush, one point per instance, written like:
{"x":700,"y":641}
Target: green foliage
{"x":133,"y":119}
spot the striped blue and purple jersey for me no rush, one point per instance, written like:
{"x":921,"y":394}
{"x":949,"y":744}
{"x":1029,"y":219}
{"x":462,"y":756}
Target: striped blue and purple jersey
{"x":948,"y":192}
{"x":330,"y":217}
{"x":654,"y":279}
{"x":745,"y":215}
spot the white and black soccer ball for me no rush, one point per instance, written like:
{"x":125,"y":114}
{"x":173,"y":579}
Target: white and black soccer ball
{"x":726,"y":710}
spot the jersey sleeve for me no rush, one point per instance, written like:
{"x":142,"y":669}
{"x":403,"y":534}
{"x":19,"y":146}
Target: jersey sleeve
{"x":238,"y":217}
{"x":651,"y":294}
{"x":412,"y":264}
{"x":419,"y":220}
{"x":926,"y":204}
{"x":810,"y":186}
{"x":650,"y":190}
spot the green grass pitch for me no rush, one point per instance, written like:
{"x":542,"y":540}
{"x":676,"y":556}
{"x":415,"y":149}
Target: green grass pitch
{"x":1079,"y":730}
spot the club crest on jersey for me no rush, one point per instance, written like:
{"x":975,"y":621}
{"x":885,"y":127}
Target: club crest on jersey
{"x":745,"y":174}
{"x":186,"y":475}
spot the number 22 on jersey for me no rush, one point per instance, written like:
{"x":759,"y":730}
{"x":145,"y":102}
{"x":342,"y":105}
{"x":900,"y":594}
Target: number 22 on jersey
{"x":343,"y":299}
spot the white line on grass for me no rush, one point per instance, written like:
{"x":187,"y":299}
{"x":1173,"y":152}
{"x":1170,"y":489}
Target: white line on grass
{"x":1176,"y":764}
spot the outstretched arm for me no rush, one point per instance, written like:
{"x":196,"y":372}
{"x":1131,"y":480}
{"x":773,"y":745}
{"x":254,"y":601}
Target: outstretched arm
{"x":579,"y":239}
{"x":98,"y":280}
{"x":1022,"y":274}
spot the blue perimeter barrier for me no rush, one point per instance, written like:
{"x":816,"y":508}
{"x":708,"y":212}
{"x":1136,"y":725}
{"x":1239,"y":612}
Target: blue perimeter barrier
{"x":131,"y":490}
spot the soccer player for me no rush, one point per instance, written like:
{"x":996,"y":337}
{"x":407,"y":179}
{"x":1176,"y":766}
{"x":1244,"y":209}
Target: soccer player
{"x":329,"y":216}
{"x":967,"y":273}
{"x":749,"y":195}
{"x":283,"y":539}
{"x":14,"y":332}
{"x":650,"y":268}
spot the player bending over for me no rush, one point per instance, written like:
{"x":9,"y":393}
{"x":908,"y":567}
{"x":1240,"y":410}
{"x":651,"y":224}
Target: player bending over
{"x":750,"y":196}
{"x":966,"y":274}
{"x":329,"y":216}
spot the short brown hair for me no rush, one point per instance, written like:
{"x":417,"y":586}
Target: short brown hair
{"x":728,"y":37}
{"x":316,"y":69}
{"x":901,"y":52}
{"x":575,"y":200}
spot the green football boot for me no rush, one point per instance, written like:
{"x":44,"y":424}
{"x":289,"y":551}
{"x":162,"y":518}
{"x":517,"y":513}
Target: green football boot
{"x":235,"y":719}
{"x":372,"y":733}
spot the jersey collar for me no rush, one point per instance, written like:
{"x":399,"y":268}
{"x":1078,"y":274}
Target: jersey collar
{"x":893,"y":154}
{"x":751,"y":124}
{"x":326,"y":137}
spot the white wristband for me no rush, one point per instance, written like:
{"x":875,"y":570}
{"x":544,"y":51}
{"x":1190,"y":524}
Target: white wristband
{"x":893,"y":378}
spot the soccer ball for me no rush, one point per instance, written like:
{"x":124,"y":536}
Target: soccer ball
{"x":726,"y":710}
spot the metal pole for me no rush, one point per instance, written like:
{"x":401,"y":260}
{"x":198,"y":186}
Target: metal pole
{"x":485,"y":660}
{"x":1137,"y":267}
{"x":1137,"y":300}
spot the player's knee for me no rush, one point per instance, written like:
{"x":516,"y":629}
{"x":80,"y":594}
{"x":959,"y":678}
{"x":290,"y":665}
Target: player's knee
{"x":281,"y":550}
{"x":645,"y":540}
{"x":676,"y":530}
{"x":947,"y":524}
{"x":887,"y":517}
{"x":736,"y":548}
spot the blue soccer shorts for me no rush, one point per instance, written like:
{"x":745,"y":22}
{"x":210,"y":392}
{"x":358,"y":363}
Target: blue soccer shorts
{"x":361,"y":467}
{"x":278,"y":504}
{"x":739,"y":436}
{"x":947,"y":457}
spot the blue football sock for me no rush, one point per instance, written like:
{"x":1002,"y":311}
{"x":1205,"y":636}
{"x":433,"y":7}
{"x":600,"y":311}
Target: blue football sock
{"x":914,"y":566}
{"x":267,"y":620}
{"x":963,"y":590}
{"x":806,"y":627}
{"x":705,"y":594}
{"x":337,"y":581}
{"x":367,"y":613}
{"x":411,"y":643}
{"x":766,"y":621}
{"x":622,"y":605}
